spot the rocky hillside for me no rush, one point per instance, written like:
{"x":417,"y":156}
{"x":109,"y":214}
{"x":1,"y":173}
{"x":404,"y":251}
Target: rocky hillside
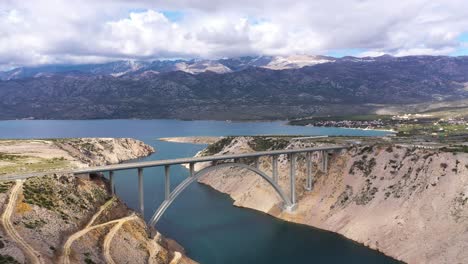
{"x":411,"y":204}
{"x":349,"y":84}
{"x":26,"y":156}
{"x":120,"y":68}
{"x":64,"y":219}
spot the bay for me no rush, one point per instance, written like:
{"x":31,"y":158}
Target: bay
{"x":203,"y":220}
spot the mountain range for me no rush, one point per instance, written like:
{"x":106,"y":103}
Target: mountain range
{"x":244,"y":88}
{"x":130,"y":67}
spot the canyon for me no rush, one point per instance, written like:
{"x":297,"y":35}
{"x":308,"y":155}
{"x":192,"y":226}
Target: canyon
{"x":409,"y":203}
{"x":60,"y":218}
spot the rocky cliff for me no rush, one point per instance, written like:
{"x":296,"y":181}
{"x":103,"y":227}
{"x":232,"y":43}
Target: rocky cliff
{"x":409,"y":203}
{"x":45,"y":155}
{"x":64,"y":219}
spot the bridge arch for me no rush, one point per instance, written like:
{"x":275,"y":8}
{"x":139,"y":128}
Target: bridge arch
{"x":184,"y":184}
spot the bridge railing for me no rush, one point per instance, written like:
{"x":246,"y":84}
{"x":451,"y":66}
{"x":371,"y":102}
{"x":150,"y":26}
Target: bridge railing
{"x":156,"y":163}
{"x":235,"y":158}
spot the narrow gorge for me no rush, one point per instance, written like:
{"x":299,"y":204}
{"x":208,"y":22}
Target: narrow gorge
{"x":59,"y":218}
{"x":409,"y":203}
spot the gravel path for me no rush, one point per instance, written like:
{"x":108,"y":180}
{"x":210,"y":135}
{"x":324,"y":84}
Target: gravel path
{"x":31,"y":254}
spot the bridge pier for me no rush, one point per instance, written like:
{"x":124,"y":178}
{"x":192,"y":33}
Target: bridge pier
{"x":324,"y":158}
{"x":140,"y":192}
{"x":289,"y":201}
{"x":274,"y":168}
{"x":192,"y":169}
{"x":167,"y":182}
{"x":292,"y":180}
{"x":309,"y":180}
{"x":112,"y":184}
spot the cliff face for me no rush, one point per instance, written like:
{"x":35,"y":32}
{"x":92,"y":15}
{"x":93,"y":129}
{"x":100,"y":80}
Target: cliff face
{"x":27,"y":156}
{"x":103,"y":151}
{"x":64,"y":219}
{"x":411,"y":204}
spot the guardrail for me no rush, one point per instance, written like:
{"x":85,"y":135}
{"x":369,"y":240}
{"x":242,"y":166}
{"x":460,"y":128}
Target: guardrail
{"x":235,"y":160}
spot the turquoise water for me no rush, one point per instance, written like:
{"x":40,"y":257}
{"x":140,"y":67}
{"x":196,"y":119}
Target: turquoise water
{"x":202,"y":219}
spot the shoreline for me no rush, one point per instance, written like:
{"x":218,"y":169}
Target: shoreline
{"x":290,"y":221}
{"x":199,"y":140}
{"x":249,"y":199}
{"x":354,"y":128}
{"x":284,"y":123}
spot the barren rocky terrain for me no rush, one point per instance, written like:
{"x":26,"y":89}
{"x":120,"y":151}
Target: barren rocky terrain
{"x":64,"y":219}
{"x":191,"y":140}
{"x":45,"y":155}
{"x":409,"y":203}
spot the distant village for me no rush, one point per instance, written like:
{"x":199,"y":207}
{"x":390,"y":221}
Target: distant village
{"x":368,"y":124}
{"x":394,"y":121}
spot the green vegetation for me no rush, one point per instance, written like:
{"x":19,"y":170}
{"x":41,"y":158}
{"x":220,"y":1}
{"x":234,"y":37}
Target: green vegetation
{"x":44,"y":192}
{"x":88,"y":259}
{"x":7,"y":259}
{"x":60,"y":195}
{"x":25,"y":164}
{"x":9,"y":157}
{"x":364,"y":165}
{"x":258,"y":143}
{"x":218,"y":146}
{"x":41,"y":192}
{"x":5,"y":186}
{"x":366,"y":194}
{"x":306,"y":121}
{"x":33,"y":224}
{"x":456,"y":148}
{"x":268,"y":143}
{"x":88,"y":146}
{"x":440,"y":130}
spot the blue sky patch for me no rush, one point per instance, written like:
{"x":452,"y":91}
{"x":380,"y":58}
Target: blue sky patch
{"x":462,"y":50}
{"x":338,"y":53}
{"x":173,"y":16}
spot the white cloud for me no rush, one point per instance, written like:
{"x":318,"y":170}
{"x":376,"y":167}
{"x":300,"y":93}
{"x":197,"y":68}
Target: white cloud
{"x":54,"y":31}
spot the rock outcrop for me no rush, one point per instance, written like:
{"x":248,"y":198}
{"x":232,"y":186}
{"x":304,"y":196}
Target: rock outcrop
{"x":103,"y":151}
{"x":64,"y":219}
{"x":409,"y":203}
{"x":46,"y":155}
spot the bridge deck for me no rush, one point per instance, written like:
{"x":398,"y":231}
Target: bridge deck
{"x":171,"y":195}
{"x":156,"y":163}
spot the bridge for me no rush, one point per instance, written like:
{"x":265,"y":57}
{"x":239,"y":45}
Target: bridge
{"x":217,"y":162}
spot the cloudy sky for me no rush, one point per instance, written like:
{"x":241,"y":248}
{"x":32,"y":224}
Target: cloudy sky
{"x":63,"y":31}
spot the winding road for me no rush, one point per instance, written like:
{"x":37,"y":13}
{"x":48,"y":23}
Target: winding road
{"x":35,"y":257}
{"x":110,"y":236}
{"x":30,"y":253}
{"x":101,"y":209}
{"x":67,"y":245}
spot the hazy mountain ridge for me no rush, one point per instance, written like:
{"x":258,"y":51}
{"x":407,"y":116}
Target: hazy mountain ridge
{"x":194,"y":66}
{"x":349,"y":84}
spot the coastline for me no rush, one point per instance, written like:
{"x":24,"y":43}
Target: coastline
{"x":341,"y":202}
{"x":353,"y":128}
{"x":49,"y":222}
{"x":199,"y":140}
{"x":291,"y":221}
